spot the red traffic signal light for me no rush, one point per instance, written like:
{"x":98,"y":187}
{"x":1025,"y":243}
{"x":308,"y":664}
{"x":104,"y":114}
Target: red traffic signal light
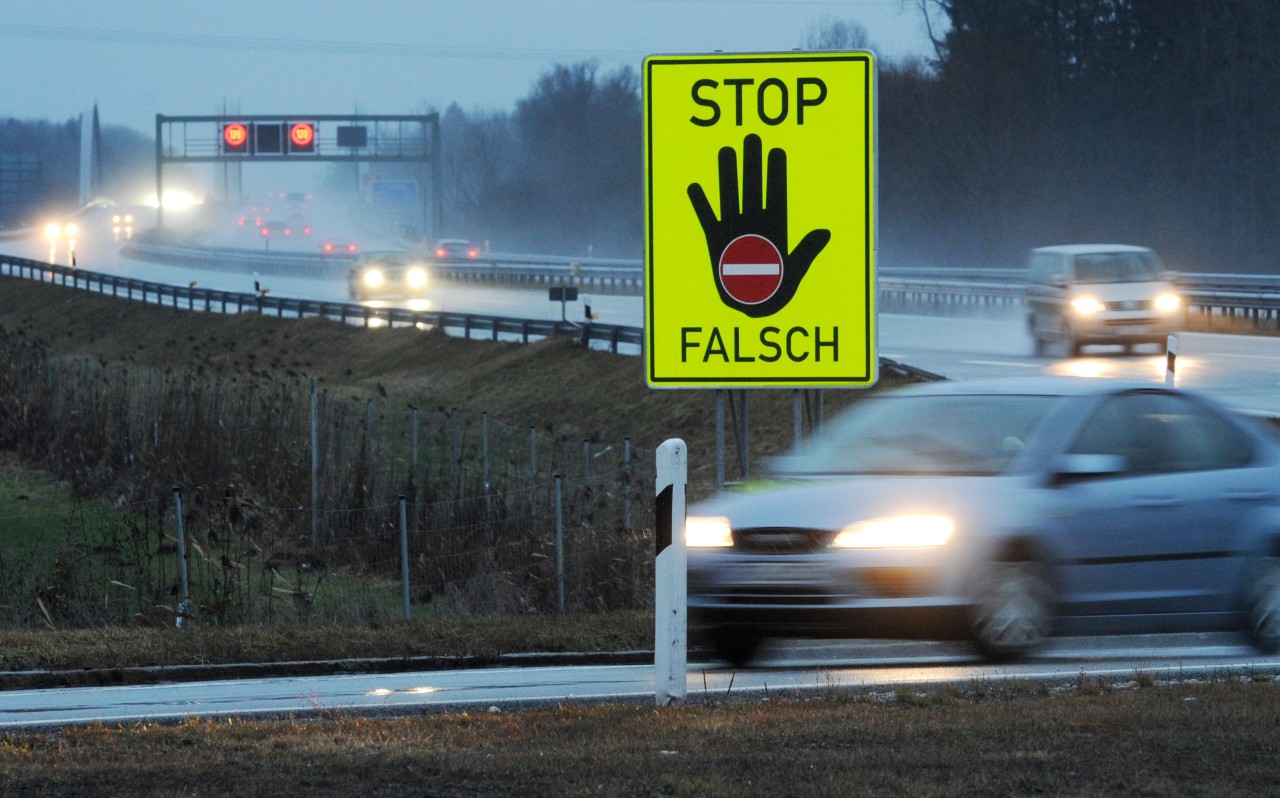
{"x":302,"y":137}
{"x":235,"y":139}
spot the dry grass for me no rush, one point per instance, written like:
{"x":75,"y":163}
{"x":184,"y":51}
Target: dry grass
{"x":1204,"y":739}
{"x":484,"y":638}
{"x":555,"y":385}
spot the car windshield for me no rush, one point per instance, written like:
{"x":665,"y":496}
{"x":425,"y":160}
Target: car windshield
{"x":1117,"y":267}
{"x":978,"y":435}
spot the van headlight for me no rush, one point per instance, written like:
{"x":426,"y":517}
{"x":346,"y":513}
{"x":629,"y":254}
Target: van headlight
{"x":707,"y":532}
{"x":416,"y":278}
{"x":1087,"y":306}
{"x":896,"y":532}
{"x":1168,"y":303}
{"x":373,"y":278}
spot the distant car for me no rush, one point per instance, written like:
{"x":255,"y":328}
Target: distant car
{"x":338,"y":249}
{"x":456,"y":249}
{"x":122,"y":225}
{"x":390,"y":274}
{"x":1100,"y":294}
{"x":276,"y":228}
{"x":1001,"y":512}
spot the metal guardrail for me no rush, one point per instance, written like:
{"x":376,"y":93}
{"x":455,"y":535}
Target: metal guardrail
{"x":1255,"y":298}
{"x":602,"y":275}
{"x":468,"y":325}
{"x":609,"y":336}
{"x":1249,"y":296}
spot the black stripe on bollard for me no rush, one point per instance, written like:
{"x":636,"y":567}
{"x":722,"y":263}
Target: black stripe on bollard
{"x":662,"y":522}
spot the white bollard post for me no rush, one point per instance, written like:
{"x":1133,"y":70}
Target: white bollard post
{"x":1171,"y":359}
{"x":670,"y":654}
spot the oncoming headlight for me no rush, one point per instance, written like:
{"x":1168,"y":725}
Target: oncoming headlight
{"x":416,"y":278}
{"x":897,"y":532}
{"x":373,"y":278}
{"x":1168,"y":303}
{"x":707,"y":532}
{"x":1087,"y":305}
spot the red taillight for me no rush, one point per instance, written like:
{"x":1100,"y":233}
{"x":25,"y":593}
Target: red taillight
{"x":328,"y":247}
{"x":351,"y":247}
{"x":288,"y":231}
{"x":266,"y":231}
{"x":306,"y":231}
{"x":475,"y":253}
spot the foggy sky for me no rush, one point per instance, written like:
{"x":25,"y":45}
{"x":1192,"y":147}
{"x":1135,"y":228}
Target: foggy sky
{"x":136,"y":59}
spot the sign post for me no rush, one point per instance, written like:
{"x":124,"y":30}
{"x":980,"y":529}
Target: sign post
{"x":760,"y":206}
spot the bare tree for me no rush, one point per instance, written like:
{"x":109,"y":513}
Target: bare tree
{"x":829,"y":33}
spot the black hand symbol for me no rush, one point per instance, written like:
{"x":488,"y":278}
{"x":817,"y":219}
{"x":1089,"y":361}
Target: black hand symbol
{"x":764,"y":216}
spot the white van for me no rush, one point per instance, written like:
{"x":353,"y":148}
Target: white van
{"x":1100,"y":294}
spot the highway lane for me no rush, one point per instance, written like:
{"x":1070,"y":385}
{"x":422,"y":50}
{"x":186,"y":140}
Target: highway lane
{"x":805,"y":666}
{"x":1243,"y":371}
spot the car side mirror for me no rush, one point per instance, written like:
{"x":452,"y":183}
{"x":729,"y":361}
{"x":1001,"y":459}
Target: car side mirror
{"x":1079,"y":467}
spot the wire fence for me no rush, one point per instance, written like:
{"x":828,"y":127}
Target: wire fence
{"x":290,"y":503}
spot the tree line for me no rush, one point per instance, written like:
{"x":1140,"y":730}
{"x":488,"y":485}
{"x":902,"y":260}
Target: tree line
{"x":1036,"y":122}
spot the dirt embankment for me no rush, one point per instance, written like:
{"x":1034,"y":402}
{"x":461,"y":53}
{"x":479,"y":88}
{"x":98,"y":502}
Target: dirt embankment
{"x":554,"y":385}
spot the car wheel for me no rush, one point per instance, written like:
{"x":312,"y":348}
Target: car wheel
{"x":1013,"y":612}
{"x":1264,"y":606}
{"x":735,"y":645}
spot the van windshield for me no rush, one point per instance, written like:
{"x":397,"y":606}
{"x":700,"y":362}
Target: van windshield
{"x":1118,"y":267}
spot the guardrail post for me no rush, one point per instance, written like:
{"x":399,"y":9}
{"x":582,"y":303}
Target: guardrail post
{"x":670,"y":644}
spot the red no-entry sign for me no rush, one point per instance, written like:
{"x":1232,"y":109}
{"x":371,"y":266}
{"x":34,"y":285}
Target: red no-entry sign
{"x":751,"y":269}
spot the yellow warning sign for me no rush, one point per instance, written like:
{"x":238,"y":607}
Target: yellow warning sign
{"x":760,"y":205}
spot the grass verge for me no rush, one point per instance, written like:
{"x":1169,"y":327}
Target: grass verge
{"x":1187,"y":739}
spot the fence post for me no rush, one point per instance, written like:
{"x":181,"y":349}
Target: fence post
{"x":1171,"y":361}
{"x":670,"y":654}
{"x":315,"y":470}
{"x":404,"y":559}
{"x":626,"y":483}
{"x":797,"y":408}
{"x":533,"y":472}
{"x":559,"y":548}
{"x":184,"y":603}
{"x":719,"y":439}
{"x":484,"y":449}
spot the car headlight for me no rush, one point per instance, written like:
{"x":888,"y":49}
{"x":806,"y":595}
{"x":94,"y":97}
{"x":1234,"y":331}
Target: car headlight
{"x":1168,"y":303}
{"x":896,"y":532}
{"x":707,"y":532}
{"x":1087,"y":305}
{"x":373,"y":278}
{"x":416,"y":278}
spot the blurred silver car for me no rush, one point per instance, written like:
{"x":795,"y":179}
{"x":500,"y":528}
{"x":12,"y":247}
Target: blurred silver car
{"x":1001,"y":512}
